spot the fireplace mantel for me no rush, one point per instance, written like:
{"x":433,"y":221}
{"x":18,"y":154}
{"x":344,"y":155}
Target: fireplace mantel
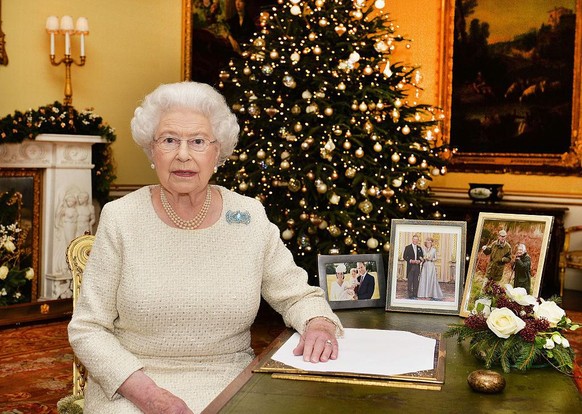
{"x":66,"y":202}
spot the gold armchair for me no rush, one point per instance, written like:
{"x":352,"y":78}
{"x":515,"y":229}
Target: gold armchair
{"x":77,"y":255}
{"x":569,"y":258}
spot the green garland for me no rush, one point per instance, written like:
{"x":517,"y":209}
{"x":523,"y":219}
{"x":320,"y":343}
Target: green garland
{"x":57,"y":118}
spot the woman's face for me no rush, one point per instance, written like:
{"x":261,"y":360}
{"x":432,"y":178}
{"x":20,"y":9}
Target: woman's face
{"x":340,"y":277}
{"x":184,"y":170}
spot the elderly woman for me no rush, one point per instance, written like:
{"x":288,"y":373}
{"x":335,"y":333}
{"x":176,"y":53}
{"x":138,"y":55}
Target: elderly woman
{"x":162,"y":321}
{"x":522,"y":268}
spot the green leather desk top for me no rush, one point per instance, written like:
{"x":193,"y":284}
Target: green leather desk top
{"x":542,"y":390}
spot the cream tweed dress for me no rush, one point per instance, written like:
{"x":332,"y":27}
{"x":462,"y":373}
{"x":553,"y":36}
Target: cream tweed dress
{"x":179,"y":303}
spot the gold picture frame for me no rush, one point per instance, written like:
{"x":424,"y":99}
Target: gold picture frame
{"x":483,"y":129}
{"x":28,"y":183}
{"x":531,"y":231}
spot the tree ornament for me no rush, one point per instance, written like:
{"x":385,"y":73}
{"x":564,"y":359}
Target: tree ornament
{"x":274,"y":54}
{"x":395,"y":157}
{"x":351,"y":201}
{"x":435,"y":171}
{"x":319,"y":3}
{"x":405,"y":130}
{"x":295,"y":10}
{"x":323,"y":225}
{"x":402,"y":207}
{"x":295,"y":57}
{"x":348,"y":241}
{"x":267,"y":70}
{"x":297,"y":127}
{"x":366,"y":206}
{"x":387,"y":192}
{"x":334,"y":199}
{"x":328,"y":111}
{"x":334,"y":175}
{"x":312,"y":36}
{"x":347,"y":145}
{"x":372,"y":243}
{"x":271,"y":112}
{"x":363,"y":107}
{"x":368,"y":126}
{"x":412,"y":159}
{"x":323,"y":22}
{"x":368,"y":70}
{"x":261,"y":154}
{"x":287,"y":234}
{"x":359,"y":153}
{"x":340,"y":29}
{"x":317,"y":50}
{"x":397,"y":182}
{"x":334,"y":230}
{"x":304,"y":216}
{"x":386,"y":247}
{"x":350,"y":172}
{"x":243,"y":156}
{"x":243,"y":186}
{"x":294,"y":185}
{"x":357,"y":14}
{"x":341,"y":86}
{"x":295,"y":109}
{"x":289,"y":81}
{"x":422,"y":183}
{"x":321,"y":187}
{"x":310,"y":175}
{"x":285,"y":165}
{"x":247,"y":71}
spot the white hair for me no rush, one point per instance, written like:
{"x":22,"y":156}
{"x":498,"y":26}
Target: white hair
{"x":522,"y":247}
{"x":200,"y":97}
{"x":340,"y":268}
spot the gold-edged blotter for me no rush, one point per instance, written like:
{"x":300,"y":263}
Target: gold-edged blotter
{"x":430,"y":379}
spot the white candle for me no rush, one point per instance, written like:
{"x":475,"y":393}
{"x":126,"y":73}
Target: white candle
{"x":82,"y":44}
{"x":52,"y":43}
{"x":67,"y":44}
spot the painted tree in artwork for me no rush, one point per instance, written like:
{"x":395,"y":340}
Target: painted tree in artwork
{"x":333,"y":142}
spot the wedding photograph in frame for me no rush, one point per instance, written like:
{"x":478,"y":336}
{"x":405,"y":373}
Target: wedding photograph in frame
{"x":426,"y":266}
{"x":507,"y":249}
{"x":340,"y":277}
{"x":511,"y":84}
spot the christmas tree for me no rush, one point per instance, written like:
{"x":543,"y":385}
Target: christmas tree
{"x":333,"y":141}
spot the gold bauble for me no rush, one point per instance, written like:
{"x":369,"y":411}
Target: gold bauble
{"x":351,"y":201}
{"x":368,"y":126}
{"x":486,"y":381}
{"x":261,"y":154}
{"x":424,"y":164}
{"x":323,"y":22}
{"x":322,"y":225}
{"x":328,"y":111}
{"x":372,"y":243}
{"x":355,"y":106}
{"x":406,"y":130}
{"x":297,"y":127}
{"x":319,"y":3}
{"x":422,"y":183}
{"x":397,"y":182}
{"x":412,"y":160}
{"x":302,"y":202}
{"x":274,"y":54}
{"x":290,"y":222}
{"x":294,"y":185}
{"x":378,"y":147}
{"x":312,"y":36}
{"x":287,"y":234}
{"x":372,"y":191}
{"x":334,"y":175}
{"x":395,"y":157}
{"x":304,"y":216}
{"x":322,"y":188}
{"x":285,"y":165}
{"x":304,"y":146}
{"x":295,"y":109}
{"x":359,"y":153}
{"x":247,"y":71}
{"x":312,"y":230}
{"x":350,"y":172}
{"x":366,"y":206}
{"x":387,"y":192}
{"x":243,"y":156}
{"x":348,"y":241}
{"x":386,"y":247}
{"x":347,"y":144}
{"x":317,"y":50}
{"x":363,"y":107}
{"x":368,"y":70}
{"x":334,"y":230}
{"x":341,"y":86}
{"x":310,"y":175}
{"x":243,"y":186}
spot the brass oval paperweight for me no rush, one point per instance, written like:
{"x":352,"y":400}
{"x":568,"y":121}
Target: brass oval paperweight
{"x":485,"y":381}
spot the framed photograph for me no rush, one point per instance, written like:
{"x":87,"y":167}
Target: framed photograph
{"x":353,"y":280}
{"x":213,"y":31}
{"x":27,"y":183}
{"x":508,"y":249}
{"x":511,"y":80}
{"x":426,"y":266}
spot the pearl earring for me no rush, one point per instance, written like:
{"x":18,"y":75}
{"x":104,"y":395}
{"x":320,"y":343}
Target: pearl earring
{"x":153,"y":166}
{"x":215,"y":169}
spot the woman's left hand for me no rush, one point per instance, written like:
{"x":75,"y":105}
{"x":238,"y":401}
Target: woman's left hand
{"x":318,"y":343}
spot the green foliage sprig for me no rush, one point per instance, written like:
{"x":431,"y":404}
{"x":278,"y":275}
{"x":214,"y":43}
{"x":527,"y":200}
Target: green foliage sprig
{"x":57,"y":118}
{"x":510,"y":328}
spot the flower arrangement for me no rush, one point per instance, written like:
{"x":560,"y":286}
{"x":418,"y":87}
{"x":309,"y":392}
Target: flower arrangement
{"x":57,"y":118}
{"x":15,"y":281}
{"x":510,"y":328}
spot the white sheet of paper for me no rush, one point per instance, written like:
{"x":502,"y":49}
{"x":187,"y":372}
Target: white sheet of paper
{"x":369,"y":351}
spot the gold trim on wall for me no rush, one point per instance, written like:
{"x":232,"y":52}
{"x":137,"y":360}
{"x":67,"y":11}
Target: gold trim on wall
{"x":3,"y":55}
{"x":567,"y":163}
{"x":186,"y":39}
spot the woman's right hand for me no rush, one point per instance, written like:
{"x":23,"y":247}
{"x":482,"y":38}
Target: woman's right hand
{"x":149,"y":398}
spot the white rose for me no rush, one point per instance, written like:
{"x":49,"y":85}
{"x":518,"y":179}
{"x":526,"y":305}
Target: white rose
{"x":550,"y":311}
{"x":520,"y":295}
{"x":3,"y":272}
{"x":549,"y":344}
{"x":565,"y":343}
{"x":483,"y":306}
{"x":557,"y":338}
{"x":29,"y":274}
{"x":503,"y":322}
{"x":8,"y":245}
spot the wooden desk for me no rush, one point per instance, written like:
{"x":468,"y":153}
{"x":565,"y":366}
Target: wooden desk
{"x":538,"y":390}
{"x":466,"y":210}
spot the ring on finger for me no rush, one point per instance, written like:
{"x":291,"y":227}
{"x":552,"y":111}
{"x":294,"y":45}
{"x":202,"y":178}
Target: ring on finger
{"x":328,"y":342}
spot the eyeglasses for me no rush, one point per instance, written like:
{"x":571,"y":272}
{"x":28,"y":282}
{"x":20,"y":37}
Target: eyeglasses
{"x":170,"y":144}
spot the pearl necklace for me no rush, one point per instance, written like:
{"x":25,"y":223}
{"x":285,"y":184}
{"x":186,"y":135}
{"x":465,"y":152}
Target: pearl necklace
{"x":186,"y":224}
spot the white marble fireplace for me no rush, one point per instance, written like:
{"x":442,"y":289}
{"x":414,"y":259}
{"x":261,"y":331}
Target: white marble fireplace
{"x":66,"y":203}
